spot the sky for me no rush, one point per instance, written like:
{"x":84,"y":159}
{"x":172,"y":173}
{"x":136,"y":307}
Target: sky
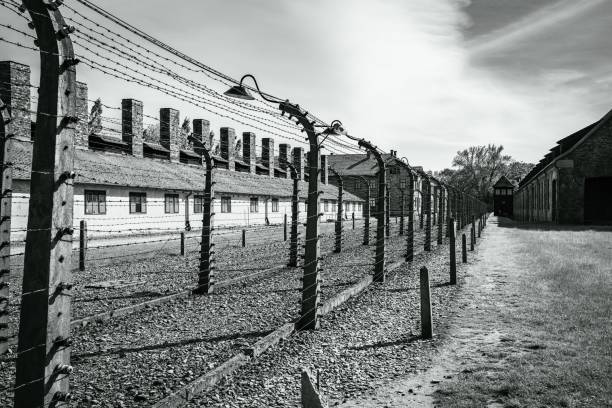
{"x":424,"y":77}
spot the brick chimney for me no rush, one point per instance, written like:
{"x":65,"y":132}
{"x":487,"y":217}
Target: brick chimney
{"x":284,"y":150}
{"x":201,"y":131}
{"x":81,"y":134}
{"x":248,"y":150}
{"x":324,"y":169}
{"x":131,"y":125}
{"x":267,"y":154}
{"x":227,"y":141}
{"x":169,"y":129}
{"x":298,"y":161}
{"x":15,"y":92}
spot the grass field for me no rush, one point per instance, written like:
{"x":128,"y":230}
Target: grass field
{"x":556,"y":324}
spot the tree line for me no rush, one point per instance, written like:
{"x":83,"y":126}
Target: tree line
{"x":477,"y":168}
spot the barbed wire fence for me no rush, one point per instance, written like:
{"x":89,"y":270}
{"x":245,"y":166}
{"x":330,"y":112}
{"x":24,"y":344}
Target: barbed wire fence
{"x":123,"y":264}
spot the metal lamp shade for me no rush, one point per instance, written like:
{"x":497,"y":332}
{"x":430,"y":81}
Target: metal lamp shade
{"x":239,"y":92}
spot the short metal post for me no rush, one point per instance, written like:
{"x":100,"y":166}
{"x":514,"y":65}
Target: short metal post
{"x":410,"y":237}
{"x":427,"y":205}
{"x":463,"y":248}
{"x":474,"y":227}
{"x":182,"y":243}
{"x":353,"y":217}
{"x":387,"y":213}
{"x":82,"y":244}
{"x":243,"y":238}
{"x":452,"y":254}
{"x":440,"y":238}
{"x":426,"y":319}
{"x":366,"y":216}
{"x":285,"y":228}
{"x":472,"y":238}
{"x":401,"y":227}
{"x":338,"y":243}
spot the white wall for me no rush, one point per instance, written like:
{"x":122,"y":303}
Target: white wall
{"x":119,"y":222}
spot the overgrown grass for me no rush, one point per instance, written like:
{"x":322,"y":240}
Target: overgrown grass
{"x":559,"y":352}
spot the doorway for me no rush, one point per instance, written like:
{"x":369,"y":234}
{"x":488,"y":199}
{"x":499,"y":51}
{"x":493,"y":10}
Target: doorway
{"x":597,"y":200}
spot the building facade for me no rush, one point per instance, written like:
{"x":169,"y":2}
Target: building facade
{"x":572,"y":184}
{"x":128,"y":186}
{"x":359,"y":173}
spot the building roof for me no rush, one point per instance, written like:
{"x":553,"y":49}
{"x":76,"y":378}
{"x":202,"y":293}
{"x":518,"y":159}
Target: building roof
{"x":503,"y":182}
{"x":563,"y":147}
{"x":122,"y":170}
{"x":356,"y":164}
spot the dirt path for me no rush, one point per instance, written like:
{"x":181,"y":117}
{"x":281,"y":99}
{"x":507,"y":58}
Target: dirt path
{"x":473,"y":330}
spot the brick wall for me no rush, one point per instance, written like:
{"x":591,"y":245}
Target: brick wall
{"x":15,"y":92}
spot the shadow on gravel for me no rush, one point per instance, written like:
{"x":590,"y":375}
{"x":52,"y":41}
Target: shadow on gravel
{"x":508,"y":223}
{"x":137,"y":295}
{"x":185,"y":342}
{"x":399,"y":342}
{"x":298,"y":289}
{"x":397,"y":290}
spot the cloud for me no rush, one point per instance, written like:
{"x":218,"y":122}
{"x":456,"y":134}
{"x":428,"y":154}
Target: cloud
{"x":533,"y":23}
{"x":411,"y":86}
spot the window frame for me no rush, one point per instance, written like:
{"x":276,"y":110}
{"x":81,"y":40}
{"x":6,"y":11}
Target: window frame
{"x":174,"y":203}
{"x":275,"y":205}
{"x":97,"y":203}
{"x":254,"y":205}
{"x":142,"y":196}
{"x":226,"y":204}
{"x":198,"y":209}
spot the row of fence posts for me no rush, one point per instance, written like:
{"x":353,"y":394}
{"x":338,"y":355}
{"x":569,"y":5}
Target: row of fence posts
{"x":44,"y":342}
{"x":426,"y":311}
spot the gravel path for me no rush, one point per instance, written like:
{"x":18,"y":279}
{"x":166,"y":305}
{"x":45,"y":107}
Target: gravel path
{"x":152,"y":270}
{"x":364,"y":344}
{"x":138,"y":359}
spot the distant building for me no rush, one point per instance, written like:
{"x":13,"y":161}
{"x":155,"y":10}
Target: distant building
{"x":503,"y":192}
{"x":357,"y":169}
{"x":572,"y":184}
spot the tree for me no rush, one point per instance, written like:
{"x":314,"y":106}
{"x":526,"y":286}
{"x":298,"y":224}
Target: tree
{"x":151,"y":133}
{"x":95,"y":118}
{"x":477,"y":168}
{"x":185,"y":131}
{"x":238,"y":149}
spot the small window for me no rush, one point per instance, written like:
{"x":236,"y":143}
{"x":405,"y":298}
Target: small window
{"x":198,"y":202}
{"x":326,"y":206}
{"x":171,"y":203}
{"x":138,"y":203}
{"x":95,"y":202}
{"x":275,"y":205}
{"x":226,"y":204}
{"x":254,"y":205}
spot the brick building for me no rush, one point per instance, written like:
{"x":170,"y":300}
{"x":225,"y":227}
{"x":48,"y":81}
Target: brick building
{"x":355,"y":169}
{"x":572,"y":184}
{"x":127,"y":186}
